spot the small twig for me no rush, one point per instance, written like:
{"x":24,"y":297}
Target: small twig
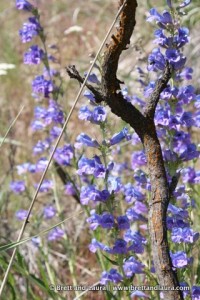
{"x":74,"y":74}
{"x":161,"y":84}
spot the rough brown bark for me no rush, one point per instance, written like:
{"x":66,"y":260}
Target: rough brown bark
{"x":144,"y":126}
{"x":160,"y":196}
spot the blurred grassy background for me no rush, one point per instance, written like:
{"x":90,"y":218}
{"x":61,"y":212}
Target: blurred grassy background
{"x":77,"y":29}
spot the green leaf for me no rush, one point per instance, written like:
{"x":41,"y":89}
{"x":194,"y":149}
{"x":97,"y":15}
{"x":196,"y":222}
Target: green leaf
{"x":20,"y":260}
{"x":43,"y":274}
{"x":38,"y":281}
{"x":45,"y":288}
{"x":111,"y":261}
{"x":111,"y":295}
{"x":12,"y":290}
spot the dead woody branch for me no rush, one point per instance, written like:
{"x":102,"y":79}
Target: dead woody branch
{"x":144,"y":126}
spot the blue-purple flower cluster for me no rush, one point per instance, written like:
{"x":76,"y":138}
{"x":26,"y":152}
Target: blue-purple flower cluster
{"x":48,"y":115}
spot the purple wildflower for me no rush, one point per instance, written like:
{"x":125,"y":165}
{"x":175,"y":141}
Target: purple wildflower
{"x":186,"y":94}
{"x":17,"y":187}
{"x":136,"y":239}
{"x":182,"y":37}
{"x":185,"y":292}
{"x":111,"y":276}
{"x":156,"y":61}
{"x":40,"y":112}
{"x":36,"y":241}
{"x":84,"y":139}
{"x":55,"y":132}
{"x":132,"y":194}
{"x":189,"y":152}
{"x":169,"y":3}
{"x":91,"y":167}
{"x":197,"y":101}
{"x":186,"y":73}
{"x":33,"y":56}
{"x":49,"y":212}
{"x":70,"y":189}
{"x":178,"y":40}
{"x":95,"y":245}
{"x":54,"y":113}
{"x":90,"y":193}
{"x":120,"y":247}
{"x":99,"y":115}
{"x":185,"y":3}
{"x":138,"y":159}
{"x":131,"y":266}
{"x":118,"y":137}
{"x":86,"y":166}
{"x":55,"y":234}
{"x":114,"y":184}
{"x":140,"y":207}
{"x":37,"y":125}
{"x":32,"y":168}
{"x":187,"y":119}
{"x":46,"y":186}
{"x":85,"y":113}
{"x":186,"y":235}
{"x":23,"y":168}
{"x":92,"y":78}
{"x":42,"y":86}
{"x":123,"y":222}
{"x":169,"y":93}
{"x":139,"y":294}
{"x":93,"y":220}
{"x":162,"y":40}
{"x":134,"y":216}
{"x":176,"y":59}
{"x":24,"y":5}
{"x":140,"y":177}
{"x":41,"y":164}
{"x":41,"y":146}
{"x":21,"y":214}
{"x":88,"y":94}
{"x":161,"y":20}
{"x":106,"y":221}
{"x":177,"y":211}
{"x":29,"y":30}
{"x":179,"y":259}
{"x":64,"y":155}
{"x":196,"y":292}
{"x":149,"y":89}
{"x":170,"y":156}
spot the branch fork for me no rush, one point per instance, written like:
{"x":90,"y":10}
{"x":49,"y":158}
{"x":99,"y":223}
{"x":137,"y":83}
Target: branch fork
{"x":144,"y":125}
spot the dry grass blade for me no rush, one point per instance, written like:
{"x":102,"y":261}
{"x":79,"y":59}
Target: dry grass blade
{"x":41,"y":233}
{"x":10,"y":127}
{"x":84,"y":292}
